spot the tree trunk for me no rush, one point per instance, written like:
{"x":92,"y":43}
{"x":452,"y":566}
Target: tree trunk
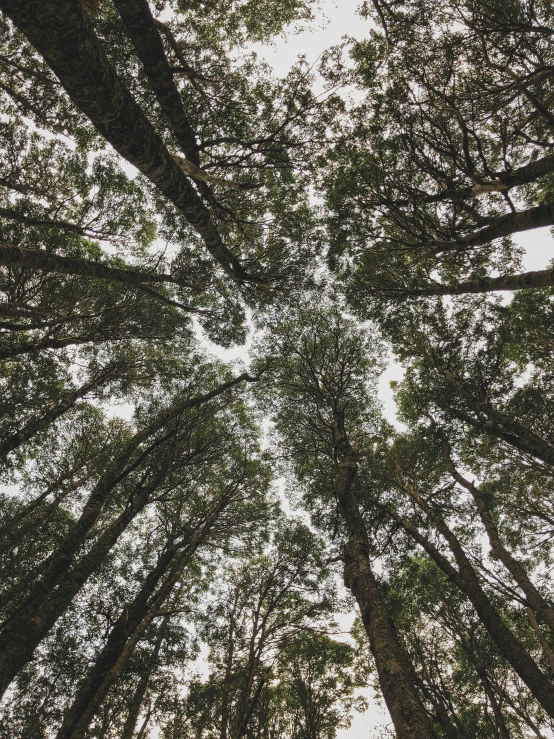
{"x":64,"y":36}
{"x":496,"y":423}
{"x":395,"y":672}
{"x":523,"y":281}
{"x":527,"y":220}
{"x":115,"y":654}
{"x":128,"y":629}
{"x":138,"y":696}
{"x":518,"y":572}
{"x":140,"y":25}
{"x":40,"y":260}
{"x":466,"y":580}
{"x":61,"y":406}
{"x":22,"y":632}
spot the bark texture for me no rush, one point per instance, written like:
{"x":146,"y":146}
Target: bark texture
{"x":62,"y":33}
{"x":25,"y":628}
{"x":394,"y":669}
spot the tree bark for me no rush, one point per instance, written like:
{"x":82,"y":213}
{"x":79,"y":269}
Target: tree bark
{"x":131,"y":624}
{"x":116,"y":653}
{"x":61,"y":406}
{"x":526,"y":220}
{"x":514,"y":567}
{"x":393,"y":667}
{"x":24,"y":629}
{"x":37,"y":259}
{"x":523,"y":281}
{"x":138,"y":20}
{"x":64,"y":36}
{"x":496,"y":423}
{"x":138,"y":696}
{"x":466,"y":580}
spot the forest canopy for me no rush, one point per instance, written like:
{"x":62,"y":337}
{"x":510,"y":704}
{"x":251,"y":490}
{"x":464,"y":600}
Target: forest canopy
{"x":183,"y":536}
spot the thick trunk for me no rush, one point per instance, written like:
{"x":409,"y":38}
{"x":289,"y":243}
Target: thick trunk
{"x":527,"y":220}
{"x":64,"y":36}
{"x":514,"y":567}
{"x":39,"y":260}
{"x":62,"y":405}
{"x":28,"y":625}
{"x":523,"y":281}
{"x":396,"y":674}
{"x":53,"y":342}
{"x":138,"y":20}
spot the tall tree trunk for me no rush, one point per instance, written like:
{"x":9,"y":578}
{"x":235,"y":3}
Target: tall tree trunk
{"x":61,"y":406}
{"x":523,"y":281}
{"x":42,"y":261}
{"x":396,"y":674}
{"x":526,"y":220}
{"x":138,"y":696}
{"x":28,"y":625}
{"x":514,"y":567}
{"x":140,"y":25}
{"x":494,"y":422}
{"x":118,"y":649}
{"x":64,"y":36}
{"x":466,"y":580}
{"x":131,"y":624}
{"x":485,"y":682}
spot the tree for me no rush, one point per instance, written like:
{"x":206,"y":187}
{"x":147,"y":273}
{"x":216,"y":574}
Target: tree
{"x":318,"y":374}
{"x":448,"y":155}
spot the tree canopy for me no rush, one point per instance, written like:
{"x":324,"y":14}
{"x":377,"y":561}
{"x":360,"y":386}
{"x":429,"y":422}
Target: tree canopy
{"x":200,"y":547}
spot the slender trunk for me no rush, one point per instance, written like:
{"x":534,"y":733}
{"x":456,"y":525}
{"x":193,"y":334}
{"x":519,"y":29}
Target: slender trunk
{"x":61,"y":406}
{"x":64,"y":36}
{"x":142,"y":729}
{"x":466,"y":580}
{"x":495,"y":422}
{"x":499,"y":718}
{"x":138,"y":696}
{"x":518,"y":572}
{"x":127,"y":631}
{"x":251,"y":707}
{"x":523,"y":281}
{"x":28,"y":625}
{"x":116,"y":653}
{"x":228,"y":671}
{"x":16,"y":528}
{"x":395,"y":672}
{"x":547,"y":651}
